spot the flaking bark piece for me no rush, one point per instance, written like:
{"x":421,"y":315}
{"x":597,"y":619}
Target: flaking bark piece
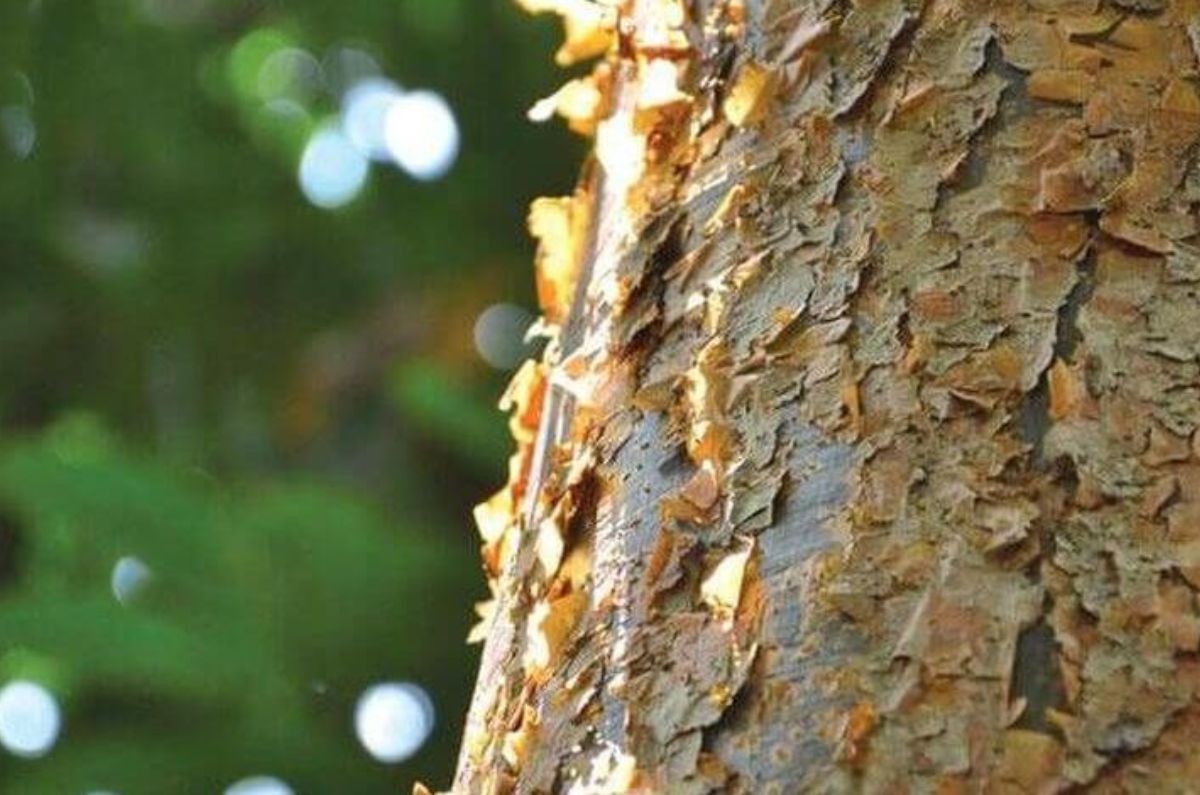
{"x":549,"y":627}
{"x":721,"y":588}
{"x":582,"y":102}
{"x":750,"y":94}
{"x":589,"y":27}
{"x":560,"y":225}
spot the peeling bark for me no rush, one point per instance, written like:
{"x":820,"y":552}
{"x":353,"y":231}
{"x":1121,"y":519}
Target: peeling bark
{"x":863,"y":456}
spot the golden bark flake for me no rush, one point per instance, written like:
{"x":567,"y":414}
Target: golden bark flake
{"x":498,"y":528}
{"x":493,"y":516}
{"x":855,"y":731}
{"x":852,"y":401}
{"x":523,"y":397}
{"x":1062,"y":85}
{"x":984,"y":377}
{"x":589,"y":27}
{"x":612,"y":772}
{"x":721,"y":588}
{"x":496,"y":517}
{"x":486,"y":611}
{"x":1068,"y":392}
{"x":749,"y":95}
{"x":560,"y":226}
{"x":548,"y":546}
{"x":659,"y":31}
{"x":733,"y":13}
{"x":575,"y":568}
{"x":669,"y":14}
{"x":581,"y":102}
{"x":517,"y":742}
{"x":550,"y":624}
{"x":659,"y":92}
{"x":706,"y":387}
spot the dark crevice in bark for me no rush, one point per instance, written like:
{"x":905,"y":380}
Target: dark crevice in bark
{"x":1033,"y":418}
{"x":898,"y":48}
{"x":1037,"y":678}
{"x":641,"y":319}
{"x":1013,"y":104}
{"x":682,"y":595}
{"x":1067,"y":335}
{"x":580,"y":530}
{"x":1104,"y":36}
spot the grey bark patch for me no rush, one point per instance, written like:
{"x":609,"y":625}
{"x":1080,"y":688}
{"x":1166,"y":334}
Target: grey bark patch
{"x":817,"y":478}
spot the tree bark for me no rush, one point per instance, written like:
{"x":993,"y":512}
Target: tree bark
{"x":864,"y":454}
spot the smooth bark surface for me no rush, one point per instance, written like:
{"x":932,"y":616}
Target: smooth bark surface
{"x":863,"y":457}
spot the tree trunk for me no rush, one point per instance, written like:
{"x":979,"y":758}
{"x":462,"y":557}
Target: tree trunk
{"x":863,"y":456}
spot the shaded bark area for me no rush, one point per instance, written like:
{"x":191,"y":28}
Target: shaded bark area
{"x":867,"y":460}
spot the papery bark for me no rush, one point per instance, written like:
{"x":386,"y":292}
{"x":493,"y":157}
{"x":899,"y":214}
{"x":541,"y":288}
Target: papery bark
{"x":864,"y":458}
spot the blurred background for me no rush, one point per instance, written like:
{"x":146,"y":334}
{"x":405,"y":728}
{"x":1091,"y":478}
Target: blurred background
{"x":263,"y":276}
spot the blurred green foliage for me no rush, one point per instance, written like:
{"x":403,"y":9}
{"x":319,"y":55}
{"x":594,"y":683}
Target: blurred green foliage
{"x":269,"y":608}
{"x":277,"y":408}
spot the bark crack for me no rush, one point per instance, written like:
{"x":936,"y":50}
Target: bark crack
{"x":1033,"y":415}
{"x":1037,"y":679}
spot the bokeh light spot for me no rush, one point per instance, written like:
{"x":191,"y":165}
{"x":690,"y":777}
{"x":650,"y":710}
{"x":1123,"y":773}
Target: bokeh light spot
{"x":332,"y":171}
{"x":422,"y":135}
{"x":393,"y":720}
{"x":345,"y":67}
{"x":30,"y":719}
{"x":259,"y":785}
{"x":364,"y":115}
{"x":129,"y":576}
{"x":289,"y":72}
{"x":103,"y":243}
{"x":17,"y":127}
{"x":499,"y":335}
{"x":250,"y":54}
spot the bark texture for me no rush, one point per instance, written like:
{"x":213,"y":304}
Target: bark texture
{"x":864,"y":455}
